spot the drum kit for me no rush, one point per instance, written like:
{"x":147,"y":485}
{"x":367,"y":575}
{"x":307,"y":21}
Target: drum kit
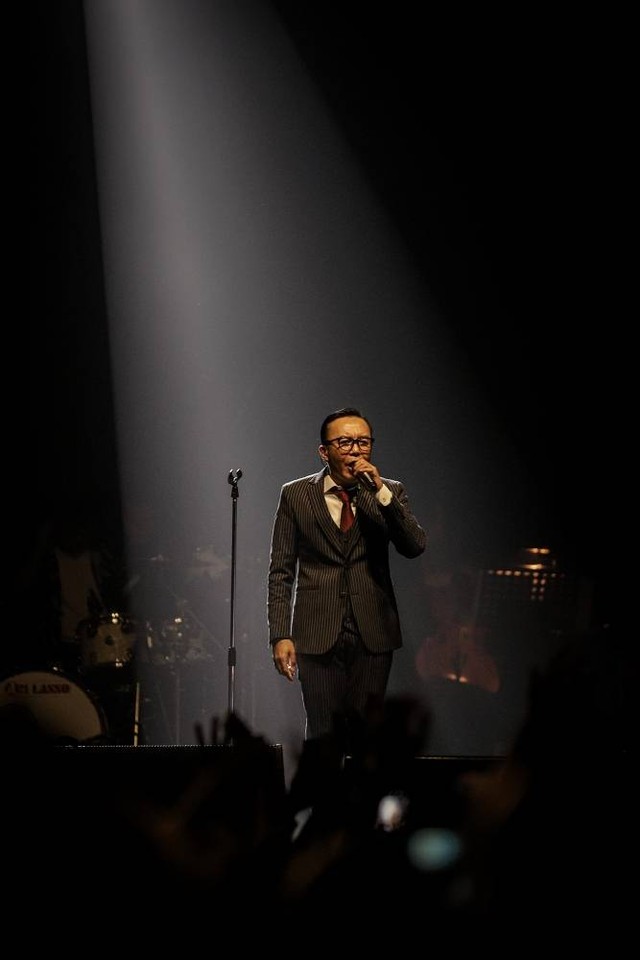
{"x":126,"y":680}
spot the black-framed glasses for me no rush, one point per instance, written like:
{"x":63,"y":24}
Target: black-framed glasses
{"x":346,"y":444}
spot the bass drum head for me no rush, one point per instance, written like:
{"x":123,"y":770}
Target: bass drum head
{"x":61,"y":709}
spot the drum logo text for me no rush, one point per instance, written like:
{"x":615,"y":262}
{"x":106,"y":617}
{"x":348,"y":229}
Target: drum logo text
{"x":13,"y":687}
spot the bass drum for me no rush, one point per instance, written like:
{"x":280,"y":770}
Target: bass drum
{"x":63,"y":711}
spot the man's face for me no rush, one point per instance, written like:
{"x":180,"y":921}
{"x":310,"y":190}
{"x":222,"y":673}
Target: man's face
{"x":339,"y":460}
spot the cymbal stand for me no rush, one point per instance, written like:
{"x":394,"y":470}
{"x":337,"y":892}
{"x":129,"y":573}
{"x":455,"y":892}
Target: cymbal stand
{"x":233,"y":479}
{"x":185,"y":609}
{"x":136,"y":715}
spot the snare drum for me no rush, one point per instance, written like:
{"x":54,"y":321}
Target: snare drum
{"x":107,"y":641}
{"x":61,"y":708}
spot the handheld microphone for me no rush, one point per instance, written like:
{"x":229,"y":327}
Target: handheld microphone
{"x":368,"y":481}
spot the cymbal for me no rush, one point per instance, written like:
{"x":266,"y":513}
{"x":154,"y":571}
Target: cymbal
{"x":205,"y":558}
{"x":146,"y":564}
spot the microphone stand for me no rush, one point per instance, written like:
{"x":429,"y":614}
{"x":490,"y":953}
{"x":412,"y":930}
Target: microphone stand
{"x":231,"y":660}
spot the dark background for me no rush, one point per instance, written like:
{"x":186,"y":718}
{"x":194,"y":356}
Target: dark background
{"x":496,"y":144}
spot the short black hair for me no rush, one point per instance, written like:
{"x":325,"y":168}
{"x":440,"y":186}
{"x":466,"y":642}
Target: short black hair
{"x":336,"y":415}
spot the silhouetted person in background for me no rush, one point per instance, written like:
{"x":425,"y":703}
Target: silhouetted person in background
{"x":332,"y":611}
{"x":70,"y":570}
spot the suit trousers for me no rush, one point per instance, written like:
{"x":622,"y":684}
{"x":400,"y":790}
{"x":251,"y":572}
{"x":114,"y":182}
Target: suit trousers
{"x":337,"y":686}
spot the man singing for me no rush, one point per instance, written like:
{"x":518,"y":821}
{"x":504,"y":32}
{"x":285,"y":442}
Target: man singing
{"x":332,"y":611}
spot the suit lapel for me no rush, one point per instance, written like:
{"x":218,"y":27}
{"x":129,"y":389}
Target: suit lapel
{"x":319,"y":507}
{"x":337,"y":539}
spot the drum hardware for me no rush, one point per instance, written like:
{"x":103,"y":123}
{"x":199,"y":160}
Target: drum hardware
{"x":175,"y":699}
{"x":179,"y":645}
{"x":177,"y":639}
{"x":107,"y":641}
{"x":171,"y":636}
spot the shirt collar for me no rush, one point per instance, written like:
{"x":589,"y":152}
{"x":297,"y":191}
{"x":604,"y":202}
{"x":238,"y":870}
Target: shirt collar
{"x":330,"y":485}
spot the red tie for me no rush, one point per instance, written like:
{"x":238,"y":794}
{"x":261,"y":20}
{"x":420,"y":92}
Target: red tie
{"x":346,"y":517}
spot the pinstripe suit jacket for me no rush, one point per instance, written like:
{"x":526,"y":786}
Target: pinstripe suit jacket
{"x":314,"y":568}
